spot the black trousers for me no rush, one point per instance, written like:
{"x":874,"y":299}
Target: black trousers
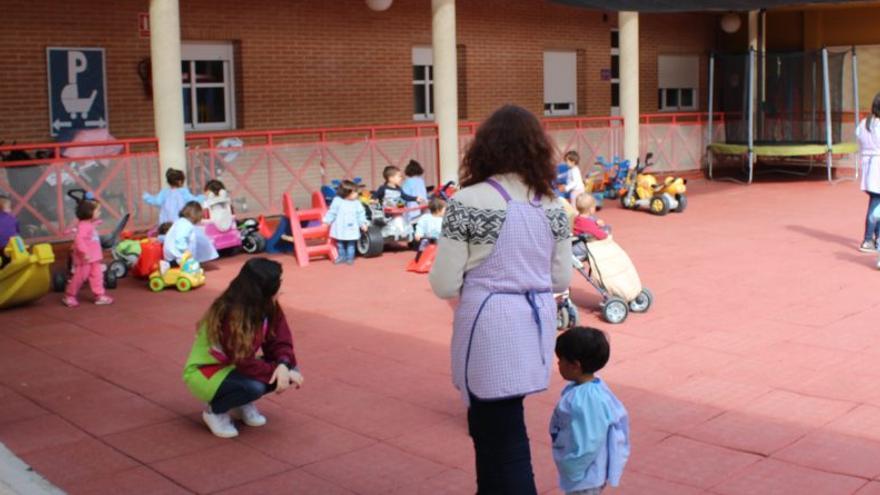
{"x":236,"y":391}
{"x":501,"y":447}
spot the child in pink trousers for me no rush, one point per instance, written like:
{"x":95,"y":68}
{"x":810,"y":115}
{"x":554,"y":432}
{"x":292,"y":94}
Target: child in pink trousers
{"x":87,"y":256}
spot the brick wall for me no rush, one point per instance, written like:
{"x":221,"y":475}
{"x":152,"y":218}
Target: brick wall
{"x":306,"y":63}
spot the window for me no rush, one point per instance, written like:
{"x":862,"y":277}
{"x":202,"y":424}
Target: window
{"x":423,"y":83}
{"x":678,"y":82}
{"x":208,"y":89}
{"x":615,"y":72}
{"x":560,"y":83}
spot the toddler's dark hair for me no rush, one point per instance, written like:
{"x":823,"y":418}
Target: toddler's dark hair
{"x":85,"y":209}
{"x":174,"y":177}
{"x":436,"y":204}
{"x":164,"y":228}
{"x":413,"y":169}
{"x":192,"y":211}
{"x":389,"y":171}
{"x":586,"y":346}
{"x":345,"y":188}
{"x":573,"y":156}
{"x":215,"y":186}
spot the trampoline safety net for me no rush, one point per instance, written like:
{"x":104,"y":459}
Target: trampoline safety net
{"x":790,"y":103}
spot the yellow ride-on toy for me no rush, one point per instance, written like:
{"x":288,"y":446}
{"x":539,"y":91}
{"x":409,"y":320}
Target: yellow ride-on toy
{"x":643,"y":191}
{"x":185,"y":277}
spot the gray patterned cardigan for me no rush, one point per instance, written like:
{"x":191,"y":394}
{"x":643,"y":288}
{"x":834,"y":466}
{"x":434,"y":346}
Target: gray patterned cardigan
{"x":473,"y":220}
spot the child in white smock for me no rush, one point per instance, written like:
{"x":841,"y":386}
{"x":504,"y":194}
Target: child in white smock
{"x":347,"y":219}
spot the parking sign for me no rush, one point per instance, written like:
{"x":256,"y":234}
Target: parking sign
{"x":77,"y":88}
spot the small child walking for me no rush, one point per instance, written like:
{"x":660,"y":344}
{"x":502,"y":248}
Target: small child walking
{"x":87,"y":256}
{"x":574,"y":179}
{"x":347,"y":219}
{"x":429,"y":226}
{"x":589,"y":427}
{"x":171,"y":199}
{"x":225,"y":368}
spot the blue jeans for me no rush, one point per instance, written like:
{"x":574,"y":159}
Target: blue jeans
{"x":236,"y":391}
{"x":872,"y":225}
{"x":501,"y":447}
{"x":346,"y":250}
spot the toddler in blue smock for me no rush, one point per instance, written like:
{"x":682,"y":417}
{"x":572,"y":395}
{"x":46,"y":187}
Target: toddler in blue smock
{"x":429,"y":225}
{"x":181,"y":237}
{"x":414,"y":185}
{"x":589,"y":427}
{"x":347,"y":219}
{"x":172,"y":199}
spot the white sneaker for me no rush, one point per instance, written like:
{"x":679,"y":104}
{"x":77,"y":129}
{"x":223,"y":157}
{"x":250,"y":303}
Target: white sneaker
{"x":220,"y":424}
{"x":163,"y":267}
{"x":249,"y":414}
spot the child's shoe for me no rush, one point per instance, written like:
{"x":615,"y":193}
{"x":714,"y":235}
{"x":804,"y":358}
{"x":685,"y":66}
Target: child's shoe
{"x":104,"y":300}
{"x":163,"y":266}
{"x":339,"y":260}
{"x":868,"y":247}
{"x":350,"y":261}
{"x":69,"y":301}
{"x":220,"y":424}
{"x":249,"y":414}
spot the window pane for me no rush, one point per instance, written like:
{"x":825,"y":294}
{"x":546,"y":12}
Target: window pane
{"x":184,"y":71}
{"x":660,"y":99}
{"x":419,"y":103}
{"x":672,"y":98}
{"x":687,"y":98}
{"x":547,"y":107}
{"x":615,"y":39}
{"x":562,"y":106}
{"x":430,"y":98}
{"x":430,"y":72}
{"x":211,"y":104}
{"x":187,"y":106}
{"x":615,"y":67}
{"x":209,"y":71}
{"x":615,"y":94}
{"x":418,"y":72}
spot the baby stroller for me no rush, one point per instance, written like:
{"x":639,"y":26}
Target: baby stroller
{"x":607,"y":267}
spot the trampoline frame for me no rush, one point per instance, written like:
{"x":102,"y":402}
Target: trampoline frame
{"x":750,"y":151}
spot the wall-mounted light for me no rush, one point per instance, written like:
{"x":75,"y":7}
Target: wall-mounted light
{"x":379,"y":5}
{"x":730,"y":22}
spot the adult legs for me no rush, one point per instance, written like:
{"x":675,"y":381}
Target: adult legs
{"x":236,"y":391}
{"x":501,"y":447}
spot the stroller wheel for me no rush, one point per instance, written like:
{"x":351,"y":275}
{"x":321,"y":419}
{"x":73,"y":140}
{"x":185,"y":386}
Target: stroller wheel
{"x":614,"y":310}
{"x":119,"y":268}
{"x":566,"y":315}
{"x":642,"y":301}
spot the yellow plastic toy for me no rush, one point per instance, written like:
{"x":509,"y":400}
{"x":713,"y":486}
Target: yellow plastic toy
{"x":27,"y":276}
{"x":188,"y":275}
{"x":644,"y":192}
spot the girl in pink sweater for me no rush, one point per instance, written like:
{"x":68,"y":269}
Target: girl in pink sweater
{"x":87,"y":256}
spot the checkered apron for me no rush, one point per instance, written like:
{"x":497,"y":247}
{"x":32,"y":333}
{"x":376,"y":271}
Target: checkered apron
{"x":504,"y":327}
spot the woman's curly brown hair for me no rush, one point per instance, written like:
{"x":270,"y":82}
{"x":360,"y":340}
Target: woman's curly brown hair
{"x":510,"y":141}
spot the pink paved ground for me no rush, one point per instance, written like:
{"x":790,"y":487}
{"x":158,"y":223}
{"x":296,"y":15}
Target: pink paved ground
{"x":756,"y":372}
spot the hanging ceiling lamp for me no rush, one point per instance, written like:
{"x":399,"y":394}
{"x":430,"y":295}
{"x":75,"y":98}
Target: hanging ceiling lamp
{"x":730,"y":22}
{"x":379,"y":5}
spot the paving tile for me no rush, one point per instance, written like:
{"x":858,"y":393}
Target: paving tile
{"x":772,"y":477}
{"x":102,"y":416}
{"x":15,"y":407}
{"x":162,"y":441}
{"x":295,"y":481}
{"x":221,"y":467}
{"x":77,"y":461}
{"x":668,"y":414}
{"x":861,"y":422}
{"x":692,"y":463}
{"x":872,"y":488}
{"x":634,"y":483}
{"x":747,"y":433}
{"x":140,"y":480}
{"x":376,"y":469}
{"x":835,"y":452}
{"x":44,"y":431}
{"x":797,"y":409}
{"x":723,"y":394}
{"x":451,"y":482}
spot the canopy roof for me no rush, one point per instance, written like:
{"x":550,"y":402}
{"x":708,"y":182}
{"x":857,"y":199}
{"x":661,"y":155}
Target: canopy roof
{"x":691,"y":5}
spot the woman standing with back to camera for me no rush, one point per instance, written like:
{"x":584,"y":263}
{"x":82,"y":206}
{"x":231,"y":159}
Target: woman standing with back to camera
{"x":868,"y":135}
{"x":504,"y":250}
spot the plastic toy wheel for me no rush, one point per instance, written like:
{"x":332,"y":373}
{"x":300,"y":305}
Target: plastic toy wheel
{"x":682,"y":203}
{"x":157,"y":284}
{"x":183,"y":284}
{"x":628,"y":201}
{"x":659,"y":205}
{"x":119,"y":268}
{"x":59,"y":281}
{"x":614,"y":310}
{"x":566,"y":315}
{"x":371,"y":242}
{"x":253,"y":243}
{"x":110,"y":279}
{"x":642,"y":302}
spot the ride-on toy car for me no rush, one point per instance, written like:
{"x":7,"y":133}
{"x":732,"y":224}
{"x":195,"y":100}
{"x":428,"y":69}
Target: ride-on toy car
{"x":644,"y":192}
{"x":185,"y":277}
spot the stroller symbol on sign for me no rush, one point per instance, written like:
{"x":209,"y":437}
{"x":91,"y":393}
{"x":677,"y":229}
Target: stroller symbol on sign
{"x":73,"y":104}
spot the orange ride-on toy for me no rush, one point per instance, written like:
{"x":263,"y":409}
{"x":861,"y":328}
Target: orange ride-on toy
{"x":643,"y":191}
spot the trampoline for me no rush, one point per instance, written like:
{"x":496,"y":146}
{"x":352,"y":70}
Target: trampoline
{"x":779,"y":107}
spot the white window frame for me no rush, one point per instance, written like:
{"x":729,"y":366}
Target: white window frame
{"x":677,"y":108}
{"x":676,"y":80}
{"x":193,"y":52}
{"x":423,"y":56}
{"x":561,"y":108}
{"x":615,"y":52}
